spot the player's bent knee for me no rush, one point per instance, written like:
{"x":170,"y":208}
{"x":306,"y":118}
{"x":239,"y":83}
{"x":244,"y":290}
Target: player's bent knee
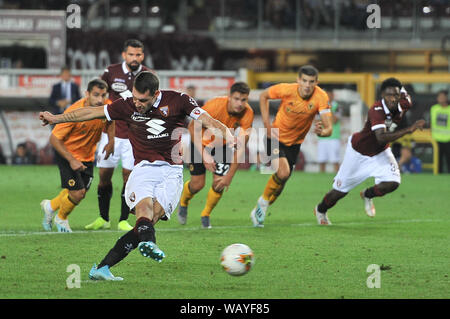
{"x":77,"y":195}
{"x":144,"y":209}
{"x":283,"y":174}
{"x":216,"y":189}
{"x":196,"y":185}
{"x":105,"y":176}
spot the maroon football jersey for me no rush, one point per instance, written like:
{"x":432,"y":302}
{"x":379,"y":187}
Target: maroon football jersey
{"x":379,"y":116}
{"x":150,"y":134}
{"x":119,"y":80}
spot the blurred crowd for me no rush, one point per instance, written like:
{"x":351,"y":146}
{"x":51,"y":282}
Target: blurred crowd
{"x":236,"y":14}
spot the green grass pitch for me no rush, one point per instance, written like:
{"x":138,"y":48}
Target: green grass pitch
{"x":295,"y":258}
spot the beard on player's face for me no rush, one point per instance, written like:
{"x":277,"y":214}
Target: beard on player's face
{"x":134,"y":65}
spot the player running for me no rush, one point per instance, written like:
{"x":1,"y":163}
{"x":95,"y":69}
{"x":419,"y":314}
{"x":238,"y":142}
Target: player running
{"x":368,"y":153}
{"x":75,"y":145}
{"x":155,"y":184}
{"x":300,"y":102}
{"x":120,"y":78}
{"x":235,"y":112}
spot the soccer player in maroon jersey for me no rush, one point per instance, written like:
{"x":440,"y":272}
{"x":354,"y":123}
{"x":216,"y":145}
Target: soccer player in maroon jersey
{"x":155,"y":184}
{"x":119,"y":78}
{"x":368,"y":153}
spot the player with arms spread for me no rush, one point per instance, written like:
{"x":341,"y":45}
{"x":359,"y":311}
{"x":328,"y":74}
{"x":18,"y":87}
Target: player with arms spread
{"x":368,"y":153}
{"x":120,"y":78}
{"x":235,"y":112}
{"x":300,"y":102}
{"x":155,"y":184}
{"x":75,"y":145}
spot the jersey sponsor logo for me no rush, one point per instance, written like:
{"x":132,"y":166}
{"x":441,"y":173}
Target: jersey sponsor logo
{"x":138,"y":117}
{"x":119,"y":80}
{"x":119,"y":87}
{"x":155,"y":126}
{"x":377,"y":108}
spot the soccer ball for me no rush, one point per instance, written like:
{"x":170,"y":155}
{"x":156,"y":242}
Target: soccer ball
{"x":237,"y":259}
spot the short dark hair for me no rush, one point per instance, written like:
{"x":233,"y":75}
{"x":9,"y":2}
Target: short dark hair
{"x":240,"y":87}
{"x":445,"y":92}
{"x":64,"y":68}
{"x":391,"y":82}
{"x":97,"y":83}
{"x":308,"y":70}
{"x":132,"y":43}
{"x":146,"y":81}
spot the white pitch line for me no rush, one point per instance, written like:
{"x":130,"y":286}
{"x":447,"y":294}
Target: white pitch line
{"x":40,"y":233}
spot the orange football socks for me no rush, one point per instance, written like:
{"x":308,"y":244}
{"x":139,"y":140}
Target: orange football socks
{"x":211,"y":202}
{"x":273,"y":188}
{"x":186,"y":195}
{"x":55,"y":203}
{"x":66,"y":206}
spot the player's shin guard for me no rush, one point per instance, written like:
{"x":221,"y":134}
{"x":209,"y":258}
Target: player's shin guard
{"x":145,"y":230}
{"x":273,"y":189}
{"x":104,"y":198}
{"x":67,"y":206}
{"x":55,"y":203}
{"x":121,"y":249}
{"x":186,"y":196}
{"x":211,"y":202}
{"x":125,"y":210}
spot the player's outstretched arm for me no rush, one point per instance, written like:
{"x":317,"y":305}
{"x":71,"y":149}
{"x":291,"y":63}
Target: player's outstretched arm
{"x":384,"y":137}
{"x":213,"y":124}
{"x":79,"y":115}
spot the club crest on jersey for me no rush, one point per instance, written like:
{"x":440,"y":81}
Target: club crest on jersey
{"x":71,"y":182}
{"x":132,"y":197}
{"x":310,"y":106}
{"x":164,"y":110}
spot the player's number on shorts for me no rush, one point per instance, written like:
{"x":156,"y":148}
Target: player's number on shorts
{"x":222,"y":169}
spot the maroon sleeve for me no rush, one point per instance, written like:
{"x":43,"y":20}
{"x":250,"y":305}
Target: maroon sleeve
{"x":376,"y":118}
{"x":188,"y":104}
{"x":118,"y":110}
